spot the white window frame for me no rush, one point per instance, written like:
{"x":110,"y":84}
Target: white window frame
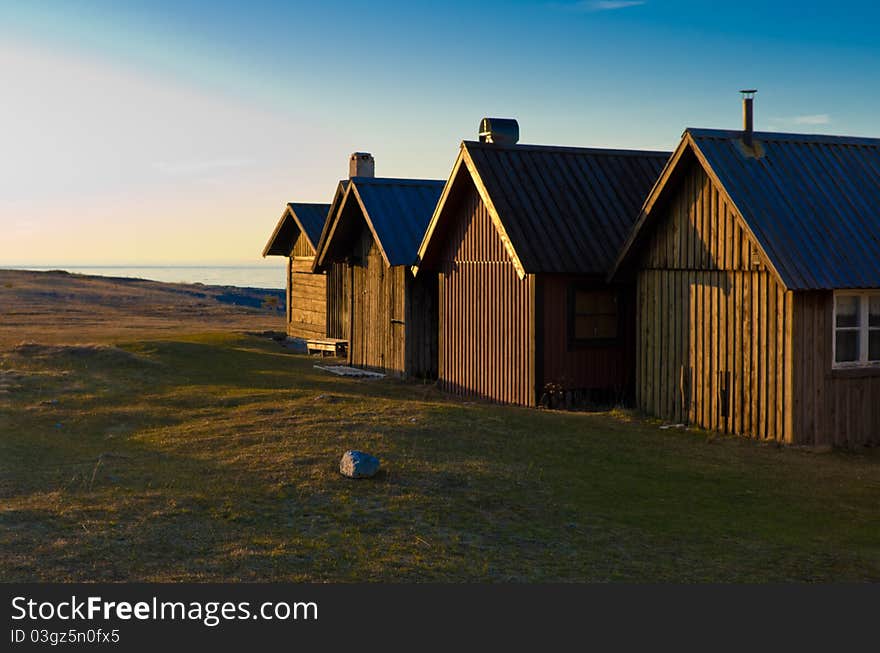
{"x":864,"y":329}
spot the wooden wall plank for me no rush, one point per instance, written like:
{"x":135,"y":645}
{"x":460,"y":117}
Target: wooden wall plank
{"x":307,"y":304}
{"x":693,"y":318}
{"x":287,"y":302}
{"x":787,"y":370}
{"x":487,"y":318}
{"x":710,"y":328}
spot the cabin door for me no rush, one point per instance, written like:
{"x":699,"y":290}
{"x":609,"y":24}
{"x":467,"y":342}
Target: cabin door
{"x":397,"y":326}
{"x":369,"y":310}
{"x":360,"y":315}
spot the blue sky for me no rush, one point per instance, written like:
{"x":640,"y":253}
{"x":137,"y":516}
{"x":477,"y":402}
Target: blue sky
{"x":175,"y":131}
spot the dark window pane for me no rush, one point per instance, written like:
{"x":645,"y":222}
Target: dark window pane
{"x":874,"y":312}
{"x":585,"y":303}
{"x":587,"y":327}
{"x":874,"y":345}
{"x":606,"y":302}
{"x":594,"y":315}
{"x":847,"y":348}
{"x":606,"y":326}
{"x":847,"y":310}
{"x":594,"y":302}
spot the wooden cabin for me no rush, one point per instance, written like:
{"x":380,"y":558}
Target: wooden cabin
{"x":757,"y":263}
{"x":295,"y":237}
{"x":521,"y":242}
{"x":372,"y":238}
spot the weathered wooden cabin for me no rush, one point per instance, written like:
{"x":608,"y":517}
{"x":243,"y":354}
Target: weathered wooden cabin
{"x":757,"y":261}
{"x":522,"y":240}
{"x":295,"y":237}
{"x":372,"y":237}
{"x":318,"y":300}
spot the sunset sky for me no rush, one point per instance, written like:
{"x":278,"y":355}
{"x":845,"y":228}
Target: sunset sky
{"x":173,"y":132}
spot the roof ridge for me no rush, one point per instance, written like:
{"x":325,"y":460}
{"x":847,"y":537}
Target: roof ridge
{"x":784,"y":136}
{"x":308,"y":204}
{"x":567,"y":148}
{"x":396,"y":180}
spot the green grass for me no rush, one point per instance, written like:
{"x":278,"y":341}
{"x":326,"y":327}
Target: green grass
{"x":214,"y":457}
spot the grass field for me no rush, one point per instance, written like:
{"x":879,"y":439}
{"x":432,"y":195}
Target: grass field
{"x":213,"y":457}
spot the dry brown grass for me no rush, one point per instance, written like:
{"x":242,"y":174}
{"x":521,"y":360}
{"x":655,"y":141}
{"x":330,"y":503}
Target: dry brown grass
{"x":56,"y":307}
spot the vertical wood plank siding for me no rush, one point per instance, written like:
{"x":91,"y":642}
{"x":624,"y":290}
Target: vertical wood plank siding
{"x":714,"y":326}
{"x":486,"y":312}
{"x":301,"y":247}
{"x":338,"y":300}
{"x":372,"y":310}
{"x":306,"y":294}
{"x":422,"y":323}
{"x":607,"y":367}
{"x":393,"y":316}
{"x":831,"y":406}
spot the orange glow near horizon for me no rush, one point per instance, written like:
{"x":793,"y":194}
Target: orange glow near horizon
{"x":112,"y":167}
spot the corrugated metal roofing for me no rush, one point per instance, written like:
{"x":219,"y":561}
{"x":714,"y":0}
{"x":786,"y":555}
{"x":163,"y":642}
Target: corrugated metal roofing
{"x":297,"y":216}
{"x":565,"y":209}
{"x":812,"y":202}
{"x":398,"y":211}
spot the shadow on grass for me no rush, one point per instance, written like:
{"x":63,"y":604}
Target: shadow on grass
{"x":219,"y":462}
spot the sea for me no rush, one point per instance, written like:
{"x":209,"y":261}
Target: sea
{"x":243,"y":276}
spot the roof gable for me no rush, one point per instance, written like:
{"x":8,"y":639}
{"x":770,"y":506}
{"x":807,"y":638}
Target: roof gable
{"x":298,"y":217}
{"x":463,"y":173}
{"x":811,"y":202}
{"x":311,"y":218}
{"x":341,"y":187}
{"x":396,"y":211}
{"x":557,"y":209}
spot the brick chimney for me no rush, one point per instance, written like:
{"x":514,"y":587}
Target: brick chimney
{"x":361,"y":164}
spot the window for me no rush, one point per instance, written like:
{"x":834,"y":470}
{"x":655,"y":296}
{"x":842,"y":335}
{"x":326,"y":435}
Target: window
{"x":592,"y":315}
{"x":856,"y":328}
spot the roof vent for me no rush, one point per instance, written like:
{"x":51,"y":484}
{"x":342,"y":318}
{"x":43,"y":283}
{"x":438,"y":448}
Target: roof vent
{"x":748,"y":115}
{"x":503,"y":131}
{"x":361,"y":164}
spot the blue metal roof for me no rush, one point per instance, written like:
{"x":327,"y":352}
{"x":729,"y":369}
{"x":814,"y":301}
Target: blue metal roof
{"x":812,"y":202}
{"x":398,"y":211}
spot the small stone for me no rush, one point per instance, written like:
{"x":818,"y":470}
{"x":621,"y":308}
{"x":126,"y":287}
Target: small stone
{"x":357,"y":464}
{"x":297,"y":345}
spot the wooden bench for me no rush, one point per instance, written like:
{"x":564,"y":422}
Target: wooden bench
{"x":332,"y":346}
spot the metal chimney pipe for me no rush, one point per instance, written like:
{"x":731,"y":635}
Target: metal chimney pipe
{"x":748,"y":115}
{"x":502,"y":131}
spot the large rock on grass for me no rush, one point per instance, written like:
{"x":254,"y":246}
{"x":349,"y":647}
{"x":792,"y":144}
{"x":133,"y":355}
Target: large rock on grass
{"x":357,"y":464}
